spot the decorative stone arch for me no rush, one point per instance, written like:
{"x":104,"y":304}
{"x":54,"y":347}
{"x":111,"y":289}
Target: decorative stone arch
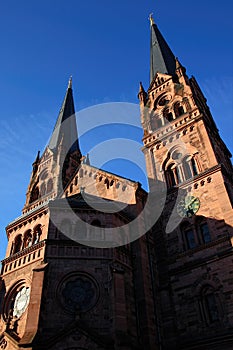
{"x":10,"y":297}
{"x":209,"y":285}
{"x":179,"y":165}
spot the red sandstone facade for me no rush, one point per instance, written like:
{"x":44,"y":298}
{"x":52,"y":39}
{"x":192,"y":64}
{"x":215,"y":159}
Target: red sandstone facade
{"x":169,"y":289}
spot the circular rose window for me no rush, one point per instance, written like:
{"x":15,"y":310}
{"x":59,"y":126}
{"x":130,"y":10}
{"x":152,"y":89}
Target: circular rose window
{"x":21,"y":301}
{"x":78,"y":293}
{"x":16,"y":301}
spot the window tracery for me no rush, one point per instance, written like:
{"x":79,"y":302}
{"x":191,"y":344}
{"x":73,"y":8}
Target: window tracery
{"x":195,"y":233}
{"x":179,"y":168}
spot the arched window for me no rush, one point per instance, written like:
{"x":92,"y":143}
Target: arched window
{"x":189,"y":236}
{"x":18,"y":244}
{"x":168,"y":115}
{"x":37,"y":234}
{"x":189,"y":167}
{"x":42,"y":189}
{"x":173,"y":176}
{"x":106,"y":181}
{"x":205,"y":233}
{"x":194,"y":166}
{"x":209,"y":305}
{"x":187,"y":104}
{"x":27,"y":239}
{"x":178,"y":109}
{"x":170,"y":176}
{"x":186,"y":168}
{"x":49,"y":185}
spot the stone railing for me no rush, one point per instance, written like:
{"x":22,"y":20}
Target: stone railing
{"x":23,"y":257}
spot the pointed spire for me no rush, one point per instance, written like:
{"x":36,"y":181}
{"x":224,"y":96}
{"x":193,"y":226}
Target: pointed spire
{"x":36,"y":163}
{"x":87,"y":160}
{"x":66,"y":124}
{"x":162,"y":59}
{"x":141,"y":88}
{"x":37,"y":158}
{"x":142,"y":95}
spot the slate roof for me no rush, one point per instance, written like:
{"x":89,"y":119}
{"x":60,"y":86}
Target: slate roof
{"x":162,"y":59}
{"x":65,"y":129}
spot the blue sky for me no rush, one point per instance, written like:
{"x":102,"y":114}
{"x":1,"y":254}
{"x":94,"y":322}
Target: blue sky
{"x":105,"y":47}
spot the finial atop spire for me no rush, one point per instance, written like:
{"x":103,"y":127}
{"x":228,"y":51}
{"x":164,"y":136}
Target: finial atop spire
{"x":70,"y":83}
{"x":151,"y":19}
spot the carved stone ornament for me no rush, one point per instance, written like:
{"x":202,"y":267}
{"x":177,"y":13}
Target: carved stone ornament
{"x":78,"y":293}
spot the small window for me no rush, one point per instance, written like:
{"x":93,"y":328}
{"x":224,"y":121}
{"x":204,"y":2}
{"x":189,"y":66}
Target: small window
{"x":190,"y":238}
{"x":37,"y":234}
{"x":27,"y":239}
{"x":18,"y":244}
{"x":211,"y":307}
{"x":178,"y":109}
{"x":187,"y":170}
{"x":194,"y":166}
{"x":168,"y":115}
{"x":170,"y":177}
{"x":205,"y":233}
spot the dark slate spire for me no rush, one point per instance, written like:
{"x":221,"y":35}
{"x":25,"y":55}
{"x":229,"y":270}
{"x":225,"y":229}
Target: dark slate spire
{"x":66,"y":127}
{"x":162,"y":59}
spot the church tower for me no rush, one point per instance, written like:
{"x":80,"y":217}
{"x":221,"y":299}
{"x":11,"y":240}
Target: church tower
{"x":194,"y":235}
{"x":73,"y":277}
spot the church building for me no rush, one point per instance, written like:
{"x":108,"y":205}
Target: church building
{"x":96,"y":263}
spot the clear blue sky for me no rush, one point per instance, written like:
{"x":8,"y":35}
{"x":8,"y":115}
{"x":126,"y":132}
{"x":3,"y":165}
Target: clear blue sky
{"x":105,"y":46}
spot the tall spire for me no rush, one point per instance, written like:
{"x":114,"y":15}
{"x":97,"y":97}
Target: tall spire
{"x":162,"y":59}
{"x":66,"y":127}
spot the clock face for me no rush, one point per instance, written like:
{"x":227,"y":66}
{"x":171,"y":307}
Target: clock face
{"x":188,"y":206}
{"x":21,"y":301}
